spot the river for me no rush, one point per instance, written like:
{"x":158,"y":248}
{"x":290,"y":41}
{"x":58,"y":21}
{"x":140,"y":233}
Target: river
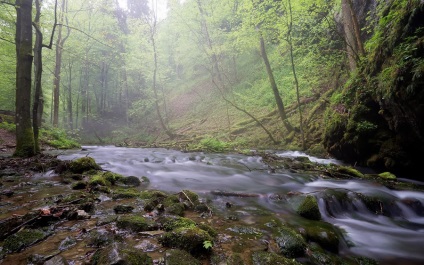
{"x":396,"y":235}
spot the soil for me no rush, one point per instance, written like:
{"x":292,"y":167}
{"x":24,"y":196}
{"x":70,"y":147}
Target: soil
{"x":7,"y":141}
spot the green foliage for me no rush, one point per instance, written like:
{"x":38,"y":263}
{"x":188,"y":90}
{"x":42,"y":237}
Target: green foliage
{"x":57,"y":138}
{"x":210,"y":144}
{"x":207,"y":244}
{"x":11,"y":127}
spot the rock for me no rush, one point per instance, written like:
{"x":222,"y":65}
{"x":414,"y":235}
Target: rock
{"x":7,"y":193}
{"x":99,"y":238}
{"x":171,"y":223}
{"x":265,"y":258}
{"x":135,"y":223}
{"x":56,"y":260}
{"x":80,"y":185}
{"x":147,"y":246}
{"x":112,"y":178}
{"x":306,"y":206}
{"x":121,"y":209}
{"x":23,"y":239}
{"x":180,"y":257}
{"x":290,"y":243}
{"x":83,"y":164}
{"x":325,"y":234}
{"x":387,"y":176}
{"x":98,"y":180}
{"x":67,"y":243}
{"x":176,"y":208}
{"x":120,"y":254}
{"x":131,"y":181}
{"x":82,"y":215}
{"x":125,"y":194}
{"x":190,"y":239}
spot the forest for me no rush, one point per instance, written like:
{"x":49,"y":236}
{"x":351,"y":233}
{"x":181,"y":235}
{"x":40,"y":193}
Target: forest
{"x":145,"y":86}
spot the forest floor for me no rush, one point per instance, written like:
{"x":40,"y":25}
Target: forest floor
{"x":7,"y":141}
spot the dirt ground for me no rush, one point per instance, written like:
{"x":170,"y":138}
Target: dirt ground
{"x":7,"y":141}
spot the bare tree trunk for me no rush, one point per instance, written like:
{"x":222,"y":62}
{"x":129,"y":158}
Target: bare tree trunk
{"x":56,"y":81}
{"x":296,"y":81}
{"x":24,"y":133}
{"x":355,"y":47}
{"x":274,"y":87}
{"x":69,"y":99}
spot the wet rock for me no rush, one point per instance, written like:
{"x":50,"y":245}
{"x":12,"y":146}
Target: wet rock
{"x":348,"y":172}
{"x":147,"y":246}
{"x":235,"y":259}
{"x":120,"y":254}
{"x":135,"y":223}
{"x":23,"y":239}
{"x":80,"y":185}
{"x":202,"y":208}
{"x":180,"y":257}
{"x":265,"y":258}
{"x":99,"y":238}
{"x":82,"y":165}
{"x":67,"y":243}
{"x":107,"y":220}
{"x":121,"y":209}
{"x":7,"y":193}
{"x":325,"y":235}
{"x":190,"y":197}
{"x":131,"y":181}
{"x":245,"y":230}
{"x":56,"y":260}
{"x":190,"y":239}
{"x":306,"y":206}
{"x":176,"y":208}
{"x":291,"y":244}
{"x":318,"y":256}
{"x":82,"y":215}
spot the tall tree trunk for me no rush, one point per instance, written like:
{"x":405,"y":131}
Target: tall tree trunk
{"x":69,"y":99}
{"x":37,"y":109}
{"x":296,"y":81}
{"x":355,"y":47}
{"x":274,"y":87}
{"x":58,"y":66}
{"x":25,"y":146}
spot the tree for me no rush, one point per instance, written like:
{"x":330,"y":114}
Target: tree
{"x":355,"y":47}
{"x":25,"y":146}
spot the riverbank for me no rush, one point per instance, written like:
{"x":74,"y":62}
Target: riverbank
{"x":80,"y":214}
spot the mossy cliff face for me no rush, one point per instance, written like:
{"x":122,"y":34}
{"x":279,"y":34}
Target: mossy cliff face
{"x":378,"y":119}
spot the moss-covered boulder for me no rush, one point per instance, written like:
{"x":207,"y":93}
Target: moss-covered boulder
{"x":23,"y":239}
{"x":151,"y":194}
{"x":171,"y":223}
{"x":82,"y":165}
{"x":180,"y":257}
{"x":387,"y":176}
{"x":266,"y":258}
{"x":125,"y":194}
{"x":98,"y":180}
{"x":324,"y":234}
{"x":135,"y":223}
{"x":120,"y":254}
{"x":290,"y":243}
{"x":190,"y":239}
{"x":112,"y":178}
{"x":305,"y":206}
{"x":176,"y":209}
{"x":131,"y":181}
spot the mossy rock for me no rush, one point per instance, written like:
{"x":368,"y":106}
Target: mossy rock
{"x":80,"y":185}
{"x":190,"y":196}
{"x":83,"y":164}
{"x":23,"y":239}
{"x":380,"y":205}
{"x":98,"y":180}
{"x":190,"y":239}
{"x":171,"y":223}
{"x":171,"y":199}
{"x":135,"y":223}
{"x":151,"y":194}
{"x":305,"y":206}
{"x":180,"y":257}
{"x":112,"y":178}
{"x":125,"y":194}
{"x":100,"y":238}
{"x":325,"y":234}
{"x":131,"y":181}
{"x":318,"y":256}
{"x":121,"y":209}
{"x":235,"y":259}
{"x":350,"y":172}
{"x":212,"y":232}
{"x":387,"y":176}
{"x":120,"y":254}
{"x":266,"y":258}
{"x":291,"y":244}
{"x":176,"y":209}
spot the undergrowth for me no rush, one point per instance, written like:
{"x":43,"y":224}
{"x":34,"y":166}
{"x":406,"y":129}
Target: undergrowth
{"x":58,"y":138}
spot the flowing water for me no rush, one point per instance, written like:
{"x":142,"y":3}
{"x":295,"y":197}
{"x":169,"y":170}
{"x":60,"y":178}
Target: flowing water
{"x":394,"y":235}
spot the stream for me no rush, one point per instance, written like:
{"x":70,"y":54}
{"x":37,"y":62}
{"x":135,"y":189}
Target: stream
{"x":395,"y":237}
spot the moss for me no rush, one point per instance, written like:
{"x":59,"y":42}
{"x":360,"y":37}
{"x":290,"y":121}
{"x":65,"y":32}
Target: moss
{"x":22,"y":239}
{"x":131,"y":181}
{"x":80,"y":185}
{"x":178,"y":222}
{"x":309,"y":208}
{"x":100,"y":238}
{"x":112,"y":178}
{"x":387,"y":176}
{"x":324,"y":234}
{"x":150,"y":194}
{"x":125,"y":194}
{"x":98,"y":180}
{"x":212,"y":232}
{"x":290,"y":243}
{"x":134,"y":223}
{"x":83,"y":164}
{"x":119,"y":254}
{"x":180,"y":257}
{"x":172,"y":199}
{"x":265,"y":258}
{"x":190,"y":239}
{"x":176,"y":208}
{"x":236,"y":259}
{"x":351,"y":172}
{"x":193,"y":197}
{"x":25,"y":147}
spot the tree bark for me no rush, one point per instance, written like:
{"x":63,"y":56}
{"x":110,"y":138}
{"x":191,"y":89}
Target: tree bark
{"x":274,"y":87}
{"x":355,"y":47}
{"x":25,"y":146}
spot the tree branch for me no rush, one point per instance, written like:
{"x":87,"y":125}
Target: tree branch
{"x":86,"y":34}
{"x":54,"y":28}
{"x":7,"y":41}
